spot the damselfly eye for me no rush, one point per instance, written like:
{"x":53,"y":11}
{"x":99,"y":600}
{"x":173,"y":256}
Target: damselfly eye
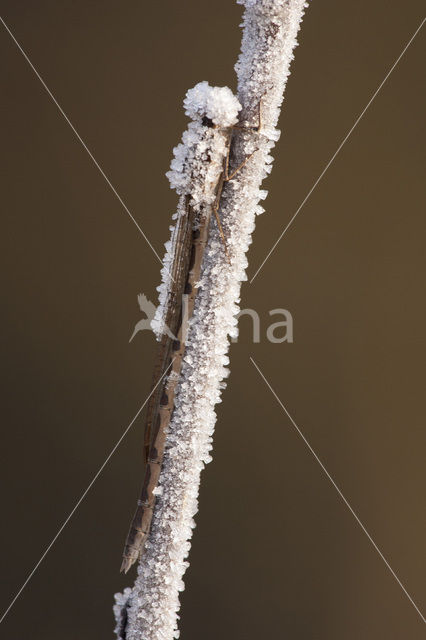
{"x":207,"y":122}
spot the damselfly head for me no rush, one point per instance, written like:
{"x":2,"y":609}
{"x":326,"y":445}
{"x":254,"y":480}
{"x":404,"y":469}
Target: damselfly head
{"x":217,"y":105}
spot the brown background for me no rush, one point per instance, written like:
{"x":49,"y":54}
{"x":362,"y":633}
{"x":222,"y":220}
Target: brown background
{"x":276,"y":553}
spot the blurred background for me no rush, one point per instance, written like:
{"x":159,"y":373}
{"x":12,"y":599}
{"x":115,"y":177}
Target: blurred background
{"x":350,"y":270}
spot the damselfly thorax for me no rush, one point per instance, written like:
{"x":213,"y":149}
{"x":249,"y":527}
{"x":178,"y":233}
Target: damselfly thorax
{"x":198,"y":172}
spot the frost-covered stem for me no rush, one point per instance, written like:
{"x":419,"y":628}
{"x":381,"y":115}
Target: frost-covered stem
{"x":270,"y":29}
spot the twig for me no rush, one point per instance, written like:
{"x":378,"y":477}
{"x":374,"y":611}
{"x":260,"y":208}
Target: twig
{"x":269,"y":36}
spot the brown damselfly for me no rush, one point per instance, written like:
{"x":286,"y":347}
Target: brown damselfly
{"x":200,"y":169}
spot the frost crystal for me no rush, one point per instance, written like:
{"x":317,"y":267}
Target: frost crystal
{"x":270,"y":29}
{"x":120,"y":609}
{"x":218,"y":104}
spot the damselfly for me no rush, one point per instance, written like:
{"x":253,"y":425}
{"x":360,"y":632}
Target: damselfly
{"x":199,"y":170}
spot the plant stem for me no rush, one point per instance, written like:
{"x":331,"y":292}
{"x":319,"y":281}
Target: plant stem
{"x":269,"y":36}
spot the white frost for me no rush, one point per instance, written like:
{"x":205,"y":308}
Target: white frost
{"x":120,"y":610}
{"x":216,"y":103}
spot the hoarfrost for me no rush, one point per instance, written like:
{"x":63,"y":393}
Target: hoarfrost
{"x":216,"y":103}
{"x":269,"y":36}
{"x":120,"y":609}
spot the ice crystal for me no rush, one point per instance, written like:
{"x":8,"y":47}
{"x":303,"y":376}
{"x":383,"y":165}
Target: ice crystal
{"x":120,"y":609}
{"x":218,"y":104}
